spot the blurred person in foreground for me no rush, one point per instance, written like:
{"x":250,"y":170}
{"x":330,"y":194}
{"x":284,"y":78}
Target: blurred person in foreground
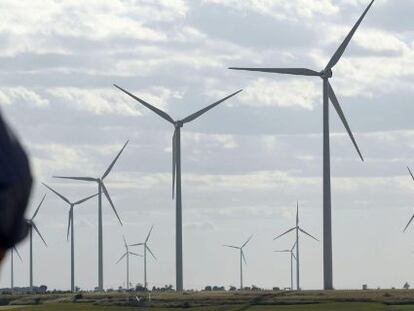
{"x":15,"y":187}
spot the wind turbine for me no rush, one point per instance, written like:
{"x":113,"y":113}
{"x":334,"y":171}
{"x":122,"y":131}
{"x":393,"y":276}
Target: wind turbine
{"x":13,"y":250}
{"x":412,"y":217}
{"x":176,"y":171}
{"x":32,"y":226}
{"x":292,"y":256}
{"x":126,"y":254}
{"x":72,"y":231}
{"x":328,"y":94}
{"x":297,"y":228}
{"x":101,"y":188}
{"x":146,"y":247}
{"x":242,"y":258}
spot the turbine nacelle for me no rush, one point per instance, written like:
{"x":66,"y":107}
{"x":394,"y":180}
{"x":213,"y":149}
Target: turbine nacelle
{"x":326,"y":73}
{"x":178,"y":124}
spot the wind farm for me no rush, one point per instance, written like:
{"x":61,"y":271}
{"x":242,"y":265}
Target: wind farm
{"x":144,"y":215}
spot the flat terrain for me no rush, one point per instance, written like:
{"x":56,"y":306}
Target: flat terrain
{"x":381,"y":300}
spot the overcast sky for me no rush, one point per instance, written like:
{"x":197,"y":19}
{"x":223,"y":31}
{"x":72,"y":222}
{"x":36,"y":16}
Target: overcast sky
{"x":244,"y":164}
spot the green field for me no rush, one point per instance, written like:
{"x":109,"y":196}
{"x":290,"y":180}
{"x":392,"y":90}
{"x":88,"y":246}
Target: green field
{"x":386,"y":300}
{"x":315,"y":307}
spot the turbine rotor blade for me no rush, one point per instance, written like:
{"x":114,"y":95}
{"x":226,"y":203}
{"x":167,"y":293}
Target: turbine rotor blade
{"x":204,"y":110}
{"x":293,"y":255}
{"x":135,"y":254}
{"x":125,"y":242}
{"x":17,"y":253}
{"x":108,"y":170}
{"x":69,"y":221}
{"x":122,"y":257}
{"x":283,"y":251}
{"x":288,"y":71}
{"x":338,"y":54}
{"x":152,"y":254}
{"x":38,"y":207}
{"x":77,"y":178}
{"x":85,"y":199}
{"x":412,"y":176}
{"x":248,"y":240}
{"x":286,"y":232}
{"x":105,"y":191}
{"x":137,"y":244}
{"x":411,"y":219}
{"x":57,"y":193}
{"x":338,"y":109}
{"x":231,"y":246}
{"x":293,"y":246}
{"x":303,"y":231}
{"x":159,"y":112}
{"x":38,"y":232}
{"x":244,"y":258}
{"x":149,"y":233}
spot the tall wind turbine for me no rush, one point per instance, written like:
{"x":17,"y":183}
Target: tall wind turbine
{"x":126,"y":254}
{"x":292,"y":256}
{"x":412,"y":217}
{"x":242,"y":258}
{"x":32,"y":226}
{"x":176,"y":172}
{"x":13,"y":250}
{"x":146,"y":247}
{"x":297,"y":228}
{"x":328,"y":94}
{"x":72,"y":231}
{"x":101,"y":188}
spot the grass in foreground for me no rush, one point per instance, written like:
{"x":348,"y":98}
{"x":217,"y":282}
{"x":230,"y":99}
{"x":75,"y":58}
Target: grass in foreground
{"x":312,"y":307}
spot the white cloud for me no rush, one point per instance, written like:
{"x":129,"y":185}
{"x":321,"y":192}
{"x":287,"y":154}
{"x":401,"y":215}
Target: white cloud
{"x":302,"y":93}
{"x":18,"y":95}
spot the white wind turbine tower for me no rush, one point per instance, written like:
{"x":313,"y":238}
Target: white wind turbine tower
{"x":126,"y":255}
{"x":328,"y":94}
{"x":32,"y":226}
{"x":146,"y":248}
{"x":242,"y":258}
{"x":292,"y":257}
{"x":72,"y":231}
{"x":176,"y":171}
{"x":101,"y":188}
{"x":13,"y":250}
{"x":297,"y":228}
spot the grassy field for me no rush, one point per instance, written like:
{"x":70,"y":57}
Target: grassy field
{"x":315,"y":307}
{"x":381,"y":300}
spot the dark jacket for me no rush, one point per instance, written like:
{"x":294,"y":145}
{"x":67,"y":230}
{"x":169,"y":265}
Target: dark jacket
{"x":15,"y":187}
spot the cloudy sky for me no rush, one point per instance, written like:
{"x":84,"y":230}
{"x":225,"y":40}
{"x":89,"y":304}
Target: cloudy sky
{"x":245,"y":163}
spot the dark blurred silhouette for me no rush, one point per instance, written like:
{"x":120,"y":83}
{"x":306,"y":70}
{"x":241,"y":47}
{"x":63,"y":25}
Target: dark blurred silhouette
{"x":15,"y":187}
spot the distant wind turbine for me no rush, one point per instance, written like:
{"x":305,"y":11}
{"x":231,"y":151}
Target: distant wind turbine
{"x":32,"y":226}
{"x":242,"y":258}
{"x":292,"y":256}
{"x":176,"y":171}
{"x":297,"y":228}
{"x":72,"y":231}
{"x":328,"y":94}
{"x":101,"y":188}
{"x":412,"y":217}
{"x":146,"y":247}
{"x":126,"y":254}
{"x":13,"y":250}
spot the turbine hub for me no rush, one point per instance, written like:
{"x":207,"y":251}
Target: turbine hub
{"x":178,"y":124}
{"x":326,"y":74}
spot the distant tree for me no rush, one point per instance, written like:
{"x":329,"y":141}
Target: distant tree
{"x":42,"y":288}
{"x":207,"y":288}
{"x":406,"y":285}
{"x":232,"y":288}
{"x":276,"y":289}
